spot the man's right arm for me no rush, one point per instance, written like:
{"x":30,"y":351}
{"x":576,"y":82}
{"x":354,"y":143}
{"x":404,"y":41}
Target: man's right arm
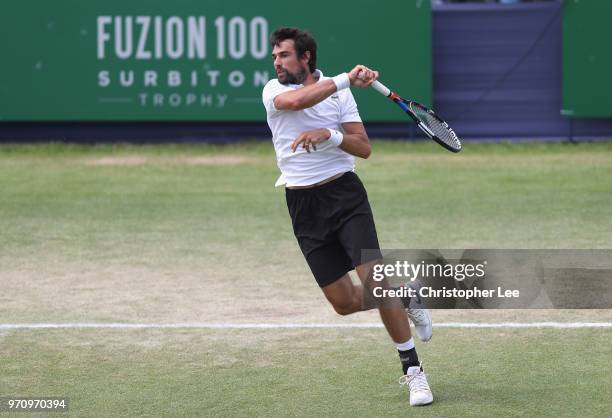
{"x":308,"y":96}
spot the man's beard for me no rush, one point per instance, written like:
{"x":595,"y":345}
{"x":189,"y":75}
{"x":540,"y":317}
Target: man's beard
{"x":297,"y":78}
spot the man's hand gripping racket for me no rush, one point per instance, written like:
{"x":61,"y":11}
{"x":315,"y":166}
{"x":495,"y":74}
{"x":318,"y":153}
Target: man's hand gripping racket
{"x":433,"y":126}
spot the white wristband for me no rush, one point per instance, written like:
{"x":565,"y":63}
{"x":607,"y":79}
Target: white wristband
{"x":335,"y":137}
{"x":342,"y":81}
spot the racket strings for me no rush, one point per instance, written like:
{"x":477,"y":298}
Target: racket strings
{"x":437,"y":127}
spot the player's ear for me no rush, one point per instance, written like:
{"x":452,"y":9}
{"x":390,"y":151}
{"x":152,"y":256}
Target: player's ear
{"x":306,"y":56}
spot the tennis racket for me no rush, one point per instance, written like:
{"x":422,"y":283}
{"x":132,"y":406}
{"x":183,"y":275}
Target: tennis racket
{"x":430,"y":123}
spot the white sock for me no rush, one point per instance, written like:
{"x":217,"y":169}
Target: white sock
{"x":408,"y":345}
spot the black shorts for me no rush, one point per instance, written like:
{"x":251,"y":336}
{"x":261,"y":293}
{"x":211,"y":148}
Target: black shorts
{"x":333,"y":223}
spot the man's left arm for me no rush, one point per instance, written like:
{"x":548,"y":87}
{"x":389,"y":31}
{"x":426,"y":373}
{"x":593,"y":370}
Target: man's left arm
{"x":355,"y":140}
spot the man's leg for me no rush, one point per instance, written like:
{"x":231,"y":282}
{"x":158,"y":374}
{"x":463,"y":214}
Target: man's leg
{"x":344,"y":296}
{"x":391,"y":310}
{"x":347,"y":298}
{"x":393,"y":315}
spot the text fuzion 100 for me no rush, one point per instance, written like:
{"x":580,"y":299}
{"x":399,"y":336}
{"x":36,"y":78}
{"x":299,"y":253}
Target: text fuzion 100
{"x":169,"y":39}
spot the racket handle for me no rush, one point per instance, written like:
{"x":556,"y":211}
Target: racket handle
{"x":381,"y":88}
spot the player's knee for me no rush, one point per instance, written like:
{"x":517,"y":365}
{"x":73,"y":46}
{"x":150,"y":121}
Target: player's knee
{"x":344,"y":307}
{"x":343,"y":310}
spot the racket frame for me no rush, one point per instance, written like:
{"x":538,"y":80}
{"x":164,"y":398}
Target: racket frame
{"x":405,"y":106}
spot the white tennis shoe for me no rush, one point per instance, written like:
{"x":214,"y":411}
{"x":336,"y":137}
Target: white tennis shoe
{"x":422,"y":323}
{"x":419,"y":315}
{"x":416,"y":380}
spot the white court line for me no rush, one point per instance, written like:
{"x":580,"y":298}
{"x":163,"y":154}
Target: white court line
{"x":102,"y":325}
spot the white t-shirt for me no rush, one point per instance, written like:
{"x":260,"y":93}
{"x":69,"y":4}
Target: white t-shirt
{"x":302,"y":168}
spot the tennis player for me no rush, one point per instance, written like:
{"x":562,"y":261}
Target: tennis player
{"x":317,"y":133}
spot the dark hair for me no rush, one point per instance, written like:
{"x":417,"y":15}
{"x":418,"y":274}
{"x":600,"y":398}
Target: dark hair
{"x":303,"y":41}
